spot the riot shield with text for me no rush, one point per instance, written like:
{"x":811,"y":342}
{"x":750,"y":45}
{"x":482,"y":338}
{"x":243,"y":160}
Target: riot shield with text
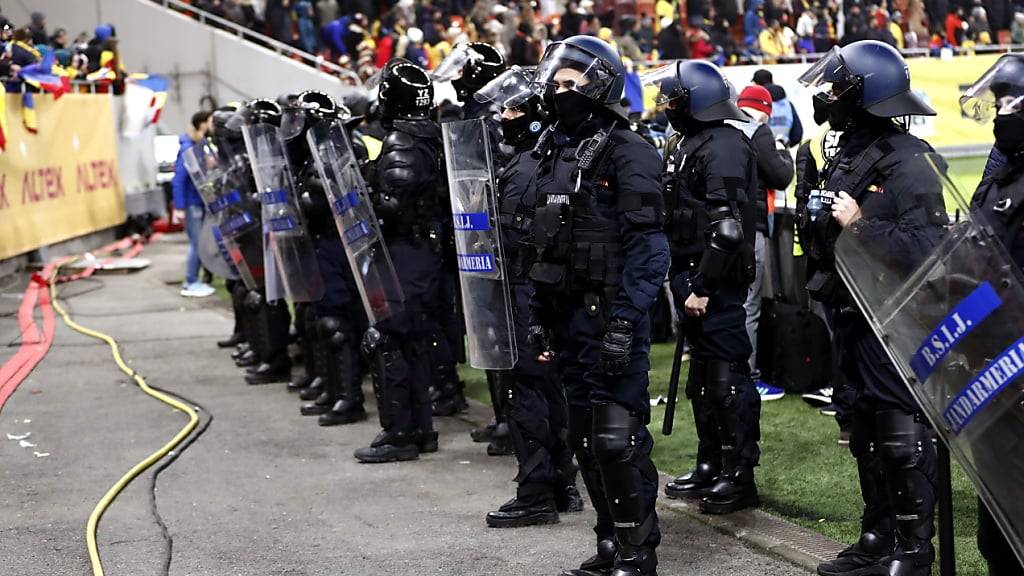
{"x":230,"y":244}
{"x":486,"y":298}
{"x":357,"y":223}
{"x":950,"y":313}
{"x":283,"y":229}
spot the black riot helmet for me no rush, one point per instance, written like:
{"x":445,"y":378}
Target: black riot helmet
{"x":697,"y":89}
{"x":602,"y":76}
{"x":470,"y":66}
{"x":262,"y":111}
{"x":999,"y":91}
{"x":405,"y":91}
{"x":513,"y":90}
{"x":871,"y":76}
{"x":227,"y":133}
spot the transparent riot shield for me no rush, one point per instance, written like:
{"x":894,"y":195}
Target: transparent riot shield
{"x":283,"y":229}
{"x":214,"y":252}
{"x":950,"y":314}
{"x":357,"y":224}
{"x":230,"y":231}
{"x":486,"y":298}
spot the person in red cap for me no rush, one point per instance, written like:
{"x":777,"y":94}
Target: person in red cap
{"x":774,"y":172}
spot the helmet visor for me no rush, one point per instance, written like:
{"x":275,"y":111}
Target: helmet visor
{"x":511,"y":88}
{"x":999,"y":92}
{"x":293,"y":120}
{"x":665,"y":79}
{"x":450,"y":67}
{"x":830,"y":74}
{"x":568,"y":67}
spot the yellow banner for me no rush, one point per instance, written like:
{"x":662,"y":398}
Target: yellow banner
{"x":942,"y":82}
{"x":63,"y":181}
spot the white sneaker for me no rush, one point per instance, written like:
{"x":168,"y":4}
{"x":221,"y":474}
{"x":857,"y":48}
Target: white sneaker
{"x":198,"y":290}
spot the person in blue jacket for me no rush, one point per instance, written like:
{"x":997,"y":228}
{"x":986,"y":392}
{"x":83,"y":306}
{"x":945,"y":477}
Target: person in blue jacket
{"x":188,"y":205}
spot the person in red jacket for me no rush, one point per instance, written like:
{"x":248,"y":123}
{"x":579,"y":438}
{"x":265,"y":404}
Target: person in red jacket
{"x":955,"y":26}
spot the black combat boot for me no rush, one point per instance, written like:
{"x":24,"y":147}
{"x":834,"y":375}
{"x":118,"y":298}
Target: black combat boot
{"x":599,"y":564}
{"x":533,"y":505}
{"x":697,"y":482}
{"x":389,"y":446}
{"x":349,"y":408}
{"x":863,"y":558}
{"x":279,"y":370}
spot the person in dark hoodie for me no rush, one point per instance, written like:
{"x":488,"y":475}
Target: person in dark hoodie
{"x":38,"y":29}
{"x":94,"y":49}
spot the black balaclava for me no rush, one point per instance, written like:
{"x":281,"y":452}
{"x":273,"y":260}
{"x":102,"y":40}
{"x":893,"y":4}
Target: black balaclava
{"x":526,"y":127}
{"x":1009,"y":132}
{"x":571,"y":109}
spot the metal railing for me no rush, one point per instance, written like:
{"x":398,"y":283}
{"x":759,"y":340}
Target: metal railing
{"x":286,"y":50}
{"x":807,"y":58}
{"x":15,"y":85}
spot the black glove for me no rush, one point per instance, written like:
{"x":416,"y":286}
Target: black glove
{"x":372,"y":340}
{"x":538,"y":339}
{"x":615,"y":348}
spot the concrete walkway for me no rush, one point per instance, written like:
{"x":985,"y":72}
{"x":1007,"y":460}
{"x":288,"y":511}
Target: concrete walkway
{"x":265,"y":490}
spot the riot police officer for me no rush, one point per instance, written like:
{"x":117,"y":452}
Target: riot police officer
{"x":269,"y":361}
{"x":335,"y":324}
{"x":867,"y":186}
{"x":469,"y":66}
{"x":711,"y":198}
{"x":999,"y":96}
{"x":408,"y":195}
{"x":601,"y":257}
{"x":532,"y":401}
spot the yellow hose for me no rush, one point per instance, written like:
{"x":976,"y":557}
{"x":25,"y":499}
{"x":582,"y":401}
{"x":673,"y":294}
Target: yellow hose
{"x":112,"y":493}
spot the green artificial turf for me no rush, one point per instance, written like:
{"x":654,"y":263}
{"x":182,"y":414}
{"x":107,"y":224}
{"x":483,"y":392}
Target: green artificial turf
{"x":805,"y":475}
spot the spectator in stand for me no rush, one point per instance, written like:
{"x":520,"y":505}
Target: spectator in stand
{"x":4,"y":23}
{"x":894,"y":24}
{"x":753,"y":23}
{"x":955,"y":26}
{"x":917,"y":24}
{"x":856,"y":28}
{"x":805,"y":27}
{"x":524,"y":50}
{"x":302,"y":12}
{"x":355,"y":33}
{"x":824,"y":31}
{"x":1017,"y":28}
{"x":414,"y":51}
{"x":670,"y":41}
{"x":726,"y":9}
{"x":22,"y":52}
{"x":279,"y":20}
{"x":774,"y":43}
{"x":38,"y":28}
{"x":645,"y":34}
{"x":937,"y":11}
{"x":881,"y":32}
{"x":700,"y":44}
{"x":571,"y":21}
{"x":59,"y":40}
{"x":326,"y":11}
{"x":723,"y":39}
{"x":626,"y":42}
{"x":981,"y":33}
{"x":188,"y":205}
{"x":93,"y":50}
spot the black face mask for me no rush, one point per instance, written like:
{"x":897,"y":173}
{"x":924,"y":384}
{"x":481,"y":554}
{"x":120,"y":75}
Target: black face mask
{"x":571,"y":109}
{"x":820,"y":102}
{"x":680,"y":120}
{"x":842,"y":115}
{"x":461,"y":89}
{"x":514,"y":131}
{"x":1009,"y":133}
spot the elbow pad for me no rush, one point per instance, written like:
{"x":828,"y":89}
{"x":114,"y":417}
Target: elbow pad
{"x":724,"y":244}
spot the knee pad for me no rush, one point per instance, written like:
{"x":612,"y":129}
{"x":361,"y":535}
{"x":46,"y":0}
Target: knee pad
{"x":901,"y":439}
{"x":696,"y":378}
{"x":862,"y":437}
{"x":329,"y":329}
{"x":615,"y":433}
{"x":581,"y":432}
{"x":722,"y":384}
